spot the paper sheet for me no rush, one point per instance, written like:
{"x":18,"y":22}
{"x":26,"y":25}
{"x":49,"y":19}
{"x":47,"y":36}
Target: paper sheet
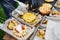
{"x":51,"y":30}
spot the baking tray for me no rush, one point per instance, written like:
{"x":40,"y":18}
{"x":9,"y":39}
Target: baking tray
{"x":15,"y":15}
{"x":4,"y":28}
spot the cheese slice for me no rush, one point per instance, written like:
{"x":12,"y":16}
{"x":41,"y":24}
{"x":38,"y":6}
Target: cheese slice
{"x":29,"y":17}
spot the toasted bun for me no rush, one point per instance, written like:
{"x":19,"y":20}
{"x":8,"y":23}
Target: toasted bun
{"x":47,"y":5}
{"x":49,"y":0}
{"x":44,"y":10}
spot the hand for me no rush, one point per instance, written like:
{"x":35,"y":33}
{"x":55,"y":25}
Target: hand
{"x":8,"y":37}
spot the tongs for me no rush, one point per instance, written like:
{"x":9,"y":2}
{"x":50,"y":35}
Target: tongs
{"x":35,"y":31}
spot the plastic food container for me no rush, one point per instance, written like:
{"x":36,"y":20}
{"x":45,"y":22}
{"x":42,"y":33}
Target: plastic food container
{"x":55,"y":12}
{"x":15,"y":15}
{"x":38,"y":38}
{"x":57,"y":4}
{"x":29,"y":29}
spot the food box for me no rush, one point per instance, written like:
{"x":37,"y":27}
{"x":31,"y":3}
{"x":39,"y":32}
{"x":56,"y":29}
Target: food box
{"x":16,"y":15}
{"x":44,"y":23}
{"x":30,"y":30}
{"x":39,"y":36}
{"x":57,"y":4}
{"x":55,"y":12}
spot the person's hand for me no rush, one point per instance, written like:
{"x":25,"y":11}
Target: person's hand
{"x":8,"y":37}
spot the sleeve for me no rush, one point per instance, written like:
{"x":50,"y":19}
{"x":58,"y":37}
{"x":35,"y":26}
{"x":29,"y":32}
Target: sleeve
{"x":8,"y":6}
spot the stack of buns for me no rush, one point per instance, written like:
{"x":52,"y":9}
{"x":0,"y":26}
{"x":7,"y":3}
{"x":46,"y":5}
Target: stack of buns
{"x":45,"y":8}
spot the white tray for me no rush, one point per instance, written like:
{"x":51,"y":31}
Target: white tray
{"x":38,"y":38}
{"x":56,"y":4}
{"x":1,"y":25}
{"x":15,"y":15}
{"x":54,"y":9}
{"x":4,"y":28}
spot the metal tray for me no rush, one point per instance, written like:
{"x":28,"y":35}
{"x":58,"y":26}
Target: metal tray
{"x":15,"y":15}
{"x":4,"y":28}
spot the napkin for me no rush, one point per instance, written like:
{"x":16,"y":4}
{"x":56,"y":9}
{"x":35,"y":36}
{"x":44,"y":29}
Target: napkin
{"x":52,"y":30}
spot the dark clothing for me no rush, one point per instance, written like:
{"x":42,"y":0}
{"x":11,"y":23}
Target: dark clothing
{"x":23,"y":1}
{"x":35,"y":4}
{"x":8,"y":6}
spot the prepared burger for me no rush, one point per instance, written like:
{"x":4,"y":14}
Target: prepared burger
{"x":28,"y":18}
